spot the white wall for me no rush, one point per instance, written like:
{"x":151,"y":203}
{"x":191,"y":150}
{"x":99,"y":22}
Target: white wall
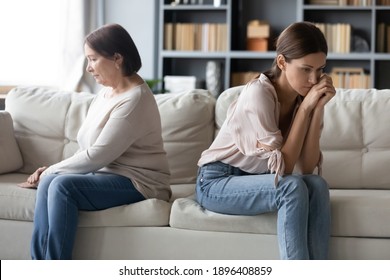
{"x":140,"y":19}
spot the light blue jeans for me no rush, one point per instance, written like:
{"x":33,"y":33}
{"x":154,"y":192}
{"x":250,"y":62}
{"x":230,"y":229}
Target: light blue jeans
{"x":60,"y":197}
{"x":302,"y":203}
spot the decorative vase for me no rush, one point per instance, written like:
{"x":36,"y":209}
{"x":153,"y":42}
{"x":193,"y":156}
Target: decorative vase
{"x":213,"y":77}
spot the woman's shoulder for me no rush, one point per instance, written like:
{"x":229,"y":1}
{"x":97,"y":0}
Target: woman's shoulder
{"x":261,"y":81}
{"x":260,"y":87}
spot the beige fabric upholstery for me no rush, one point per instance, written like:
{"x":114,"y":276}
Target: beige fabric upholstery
{"x":356,"y":140}
{"x":188,"y":129}
{"x":223,"y":103}
{"x":46,"y":123}
{"x":10,"y":157}
{"x":150,"y":212}
{"x":188,"y":214}
{"x":16,"y":203}
{"x":354,"y":214}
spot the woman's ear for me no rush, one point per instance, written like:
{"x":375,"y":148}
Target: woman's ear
{"x":118,"y":58}
{"x":281,"y":62}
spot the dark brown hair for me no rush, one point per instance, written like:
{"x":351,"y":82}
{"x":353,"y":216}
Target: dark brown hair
{"x":297,"y":40}
{"x":113,"y":39}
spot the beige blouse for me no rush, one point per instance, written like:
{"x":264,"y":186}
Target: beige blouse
{"x":250,"y":138}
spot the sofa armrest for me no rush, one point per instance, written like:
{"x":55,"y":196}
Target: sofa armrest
{"x":10,"y":156}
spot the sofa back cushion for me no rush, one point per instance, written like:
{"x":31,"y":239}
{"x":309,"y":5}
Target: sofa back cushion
{"x":10,"y":156}
{"x":188,"y":129}
{"x":46,"y":122}
{"x":355,"y":140}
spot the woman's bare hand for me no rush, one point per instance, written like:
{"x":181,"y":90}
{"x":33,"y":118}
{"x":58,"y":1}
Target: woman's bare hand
{"x":328,"y":89}
{"x":33,"y":179}
{"x":320,"y":93}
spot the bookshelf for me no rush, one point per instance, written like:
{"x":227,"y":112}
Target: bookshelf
{"x":365,"y":22}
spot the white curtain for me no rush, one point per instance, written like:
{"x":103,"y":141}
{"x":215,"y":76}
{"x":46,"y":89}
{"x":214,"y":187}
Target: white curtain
{"x":80,"y":17}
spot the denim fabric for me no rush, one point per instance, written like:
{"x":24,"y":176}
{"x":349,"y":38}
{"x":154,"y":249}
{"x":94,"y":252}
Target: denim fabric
{"x":302,"y":203}
{"x":60,"y":197}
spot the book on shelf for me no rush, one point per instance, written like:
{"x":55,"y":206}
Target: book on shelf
{"x":383,"y":2}
{"x":383,"y":38}
{"x":195,"y":36}
{"x":362,"y":3}
{"x":350,"y":77}
{"x":338,"y":36}
{"x":241,"y":78}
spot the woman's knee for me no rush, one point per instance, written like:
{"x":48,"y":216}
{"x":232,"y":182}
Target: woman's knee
{"x":60,"y":186}
{"x":317,"y":185}
{"x":44,"y":185}
{"x":293,"y":188}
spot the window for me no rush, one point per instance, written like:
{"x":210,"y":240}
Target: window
{"x":30,"y":42}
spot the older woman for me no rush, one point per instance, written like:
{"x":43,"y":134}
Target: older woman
{"x":121,"y":159}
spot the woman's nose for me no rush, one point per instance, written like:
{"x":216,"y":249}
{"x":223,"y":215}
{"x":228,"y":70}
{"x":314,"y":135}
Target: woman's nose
{"x":89,"y":68}
{"x":313,"y":79}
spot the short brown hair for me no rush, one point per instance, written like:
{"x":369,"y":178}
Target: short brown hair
{"x":113,"y":39}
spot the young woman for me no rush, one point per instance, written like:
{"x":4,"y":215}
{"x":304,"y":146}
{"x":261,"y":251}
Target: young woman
{"x":121,"y":159}
{"x":271,"y":130}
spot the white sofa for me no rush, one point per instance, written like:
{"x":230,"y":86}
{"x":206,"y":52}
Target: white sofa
{"x":39,"y":127}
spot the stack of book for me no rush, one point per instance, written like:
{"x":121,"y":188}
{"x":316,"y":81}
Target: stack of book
{"x":362,"y":3}
{"x":383,"y":38}
{"x":195,"y":36}
{"x":350,"y":77}
{"x":324,"y":2}
{"x":338,"y":36}
{"x":383,"y":2}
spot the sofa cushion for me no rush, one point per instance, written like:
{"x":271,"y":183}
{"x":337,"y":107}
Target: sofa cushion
{"x":150,"y":212}
{"x":355,"y":140}
{"x":18,"y":204}
{"x":223,"y":102}
{"x":46,"y":122}
{"x":187,"y":129}
{"x":10,"y":156}
{"x":358,"y":213}
{"x":186,"y":213}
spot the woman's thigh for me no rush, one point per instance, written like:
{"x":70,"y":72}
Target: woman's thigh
{"x":221,"y":189}
{"x":95,"y":192}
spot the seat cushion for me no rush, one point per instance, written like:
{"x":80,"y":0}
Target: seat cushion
{"x":18,"y":204}
{"x":186,"y":213}
{"x":355,"y":213}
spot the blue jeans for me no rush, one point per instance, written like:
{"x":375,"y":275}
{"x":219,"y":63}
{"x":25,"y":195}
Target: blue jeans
{"x":302,"y":203}
{"x":60,"y":197}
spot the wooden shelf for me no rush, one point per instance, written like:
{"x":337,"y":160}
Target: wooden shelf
{"x":279,"y":14}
